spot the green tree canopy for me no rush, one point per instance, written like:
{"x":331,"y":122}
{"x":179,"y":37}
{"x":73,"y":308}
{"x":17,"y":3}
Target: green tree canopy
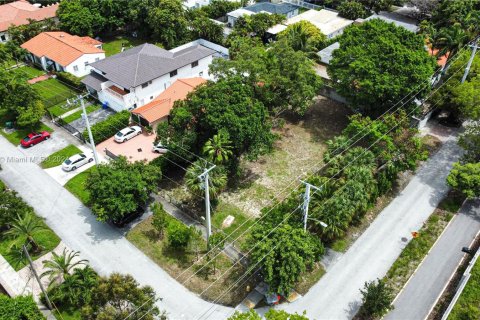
{"x":466,"y":179}
{"x":272,"y":314}
{"x":20,"y":307}
{"x":378,"y":64}
{"x":470,"y":141}
{"x":219,"y":8}
{"x":226,"y":105}
{"x":203,"y":27}
{"x":80,"y":18}
{"x":119,"y":188}
{"x":254,"y":26}
{"x":352,"y":10}
{"x":304,"y":36}
{"x":284,"y":255}
{"x":168,"y":23}
{"x":377,"y":298}
{"x":117,"y":296}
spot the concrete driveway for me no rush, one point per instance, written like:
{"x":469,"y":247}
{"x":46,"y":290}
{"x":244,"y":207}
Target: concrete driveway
{"x":93,"y":117}
{"x":39,"y":152}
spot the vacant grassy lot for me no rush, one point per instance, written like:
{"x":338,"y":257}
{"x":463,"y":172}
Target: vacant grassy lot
{"x":239,"y":226}
{"x":56,"y":158}
{"x":20,"y":133}
{"x":76,"y":186}
{"x":298,"y":152}
{"x":176,"y":263}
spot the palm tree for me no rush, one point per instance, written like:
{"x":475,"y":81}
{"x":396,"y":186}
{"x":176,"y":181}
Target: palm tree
{"x":24,"y":229}
{"x":217,"y":179}
{"x":76,"y":290}
{"x":451,"y":40}
{"x":218,"y":149}
{"x":61,"y":265}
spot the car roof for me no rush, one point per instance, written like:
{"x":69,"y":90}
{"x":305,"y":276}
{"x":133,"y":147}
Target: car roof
{"x":75,"y":157}
{"x":125,"y":130}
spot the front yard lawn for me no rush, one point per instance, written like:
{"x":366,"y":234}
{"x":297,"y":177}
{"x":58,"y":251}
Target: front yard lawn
{"x":61,"y":108}
{"x":241,"y":222}
{"x":175,"y":262}
{"x":76,"y":186}
{"x":21,"y":133}
{"x":47,"y":240}
{"x":56,"y":159}
{"x":78,"y":114}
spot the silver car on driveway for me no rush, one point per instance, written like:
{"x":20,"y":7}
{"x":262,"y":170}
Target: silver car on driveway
{"x":76,"y":161}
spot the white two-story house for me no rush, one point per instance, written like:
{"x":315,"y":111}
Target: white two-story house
{"x":135,"y":77}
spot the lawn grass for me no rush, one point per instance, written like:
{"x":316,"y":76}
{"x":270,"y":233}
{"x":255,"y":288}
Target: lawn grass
{"x":46,"y":239}
{"x":76,"y":186}
{"x":309,"y":278}
{"x":27,"y":71}
{"x":67,"y":313}
{"x":416,"y":250}
{"x":52,"y":92}
{"x":56,"y":158}
{"x":239,"y":225}
{"x":114,"y":46}
{"x":176,"y":262}
{"x":78,"y":114}
{"x":61,"y":108}
{"x":21,"y":133}
{"x":468,"y":304}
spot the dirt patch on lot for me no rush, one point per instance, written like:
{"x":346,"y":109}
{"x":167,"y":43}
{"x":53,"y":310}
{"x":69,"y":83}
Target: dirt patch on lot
{"x":297,"y":152}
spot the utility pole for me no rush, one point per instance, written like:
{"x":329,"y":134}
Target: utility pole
{"x":204,"y":178}
{"x":49,"y":304}
{"x":470,"y":61}
{"x":92,"y":143}
{"x":306,"y":202}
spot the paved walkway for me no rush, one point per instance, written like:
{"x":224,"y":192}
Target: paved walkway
{"x":43,"y":77}
{"x":104,"y":246}
{"x":427,"y":284}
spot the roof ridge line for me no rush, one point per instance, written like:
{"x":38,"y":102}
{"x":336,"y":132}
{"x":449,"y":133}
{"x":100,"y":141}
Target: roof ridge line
{"x":48,"y":34}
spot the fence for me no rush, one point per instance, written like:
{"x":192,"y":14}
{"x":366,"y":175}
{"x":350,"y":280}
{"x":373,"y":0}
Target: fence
{"x":74,"y":131}
{"x":111,"y":154}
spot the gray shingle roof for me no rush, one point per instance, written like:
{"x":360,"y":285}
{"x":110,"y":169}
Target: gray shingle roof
{"x":94,"y":80}
{"x":278,"y":8}
{"x":146,"y":62}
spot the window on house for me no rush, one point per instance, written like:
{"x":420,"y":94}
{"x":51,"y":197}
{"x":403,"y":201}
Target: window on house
{"x":75,"y":68}
{"x":194,"y":64}
{"x":86,"y":63}
{"x":151,"y":97}
{"x":144,"y":85}
{"x":3,"y":37}
{"x":173,"y":73}
{"x":200,"y":74}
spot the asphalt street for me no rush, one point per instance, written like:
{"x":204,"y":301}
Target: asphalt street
{"x":337,"y":295}
{"x":104,"y":246}
{"x":430,"y":279}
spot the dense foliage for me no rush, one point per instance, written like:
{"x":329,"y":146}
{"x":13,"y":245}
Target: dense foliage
{"x":378,"y":64}
{"x":272,"y":314}
{"x":178,"y":234}
{"x":352,"y":10}
{"x":376,"y":298}
{"x":466,"y":179}
{"x":120,"y":188}
{"x":21,"y":307}
{"x":254,"y":26}
{"x":105,"y":129}
{"x":304,"y":36}
{"x":168,"y":22}
{"x":19,"y":101}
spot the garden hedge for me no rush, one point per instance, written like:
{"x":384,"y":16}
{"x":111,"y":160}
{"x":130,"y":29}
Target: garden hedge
{"x":70,"y":79}
{"x":21,"y":307}
{"x":101,"y":131}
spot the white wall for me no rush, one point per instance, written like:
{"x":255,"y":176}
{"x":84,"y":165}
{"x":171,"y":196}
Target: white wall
{"x":83,"y":69}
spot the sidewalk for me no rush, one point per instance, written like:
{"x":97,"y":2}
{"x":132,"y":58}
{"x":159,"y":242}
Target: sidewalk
{"x":427,"y":284}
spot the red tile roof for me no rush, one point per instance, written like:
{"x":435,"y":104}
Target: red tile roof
{"x":18,"y":13}
{"x":160,"y":107}
{"x":61,"y":47}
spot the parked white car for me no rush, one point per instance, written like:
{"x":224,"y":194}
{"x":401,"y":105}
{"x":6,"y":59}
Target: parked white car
{"x":159,"y":148}
{"x":76,"y":161}
{"x":127,"y":133}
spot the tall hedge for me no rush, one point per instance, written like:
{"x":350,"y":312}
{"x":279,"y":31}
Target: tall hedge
{"x":21,"y":307}
{"x":101,"y":131}
{"x":70,"y":79}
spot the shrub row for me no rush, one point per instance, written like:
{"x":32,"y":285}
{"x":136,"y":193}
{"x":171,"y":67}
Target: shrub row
{"x":101,"y":131}
{"x":70,"y":79}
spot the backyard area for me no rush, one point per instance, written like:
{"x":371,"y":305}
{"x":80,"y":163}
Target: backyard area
{"x":54,"y":93}
{"x":114,"y":45}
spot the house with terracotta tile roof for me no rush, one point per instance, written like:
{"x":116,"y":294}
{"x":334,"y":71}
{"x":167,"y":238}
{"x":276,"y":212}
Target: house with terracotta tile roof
{"x":134,"y":77}
{"x":63,"y":52}
{"x":159,"y":108}
{"x":18,"y":13}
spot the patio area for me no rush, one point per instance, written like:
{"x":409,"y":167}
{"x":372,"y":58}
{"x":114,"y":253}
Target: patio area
{"x":135,"y":149}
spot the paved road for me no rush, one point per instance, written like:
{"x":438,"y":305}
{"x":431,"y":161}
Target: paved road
{"x":104,"y":246}
{"x":337,"y":295}
{"x":427,"y":284}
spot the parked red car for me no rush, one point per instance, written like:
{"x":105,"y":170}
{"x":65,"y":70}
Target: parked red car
{"x":34,"y":138}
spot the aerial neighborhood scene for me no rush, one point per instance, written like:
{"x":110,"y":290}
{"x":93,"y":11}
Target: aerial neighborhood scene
{"x":239,"y":159}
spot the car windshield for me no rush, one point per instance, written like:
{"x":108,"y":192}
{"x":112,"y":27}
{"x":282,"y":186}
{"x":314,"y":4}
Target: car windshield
{"x":119,"y":134}
{"x":68,"y":161}
{"x":26,"y":139}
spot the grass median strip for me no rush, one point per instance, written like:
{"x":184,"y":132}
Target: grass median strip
{"x":76,"y":186}
{"x":56,"y":159}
